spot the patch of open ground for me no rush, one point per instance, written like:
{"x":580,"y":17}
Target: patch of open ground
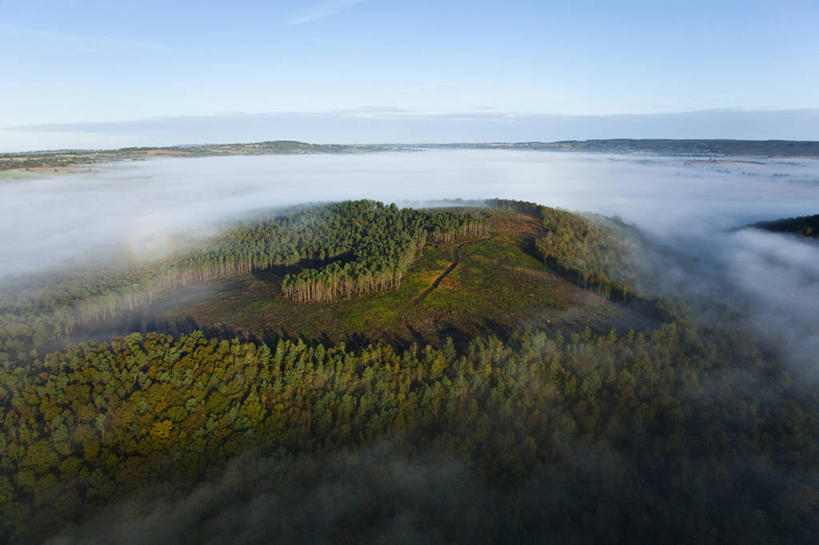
{"x":461,"y":289}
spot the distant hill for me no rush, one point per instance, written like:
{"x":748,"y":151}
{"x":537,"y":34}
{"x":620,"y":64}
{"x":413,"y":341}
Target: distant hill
{"x":807,"y":226}
{"x":68,"y":159}
{"x":764,"y":148}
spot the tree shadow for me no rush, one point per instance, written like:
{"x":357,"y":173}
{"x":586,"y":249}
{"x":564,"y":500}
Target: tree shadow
{"x":275,"y":273}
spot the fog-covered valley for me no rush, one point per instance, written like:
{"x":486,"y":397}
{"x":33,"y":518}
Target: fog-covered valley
{"x":45,"y":220}
{"x":548,"y":431}
{"x":691,"y":205}
{"x":350,"y":272}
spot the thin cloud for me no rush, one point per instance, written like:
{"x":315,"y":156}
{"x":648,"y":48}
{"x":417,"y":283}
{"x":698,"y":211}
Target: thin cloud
{"x":770,"y":124}
{"x":80,"y":43}
{"x":379,"y":124}
{"x":321,"y":10}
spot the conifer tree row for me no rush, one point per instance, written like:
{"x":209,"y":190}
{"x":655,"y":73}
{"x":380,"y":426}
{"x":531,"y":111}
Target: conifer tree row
{"x":380,"y":253}
{"x":348,"y":248}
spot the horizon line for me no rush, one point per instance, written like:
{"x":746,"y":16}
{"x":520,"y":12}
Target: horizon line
{"x":408,"y":145}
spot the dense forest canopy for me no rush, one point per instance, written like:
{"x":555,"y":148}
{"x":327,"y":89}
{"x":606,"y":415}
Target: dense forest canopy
{"x":683,"y":432}
{"x":674,"y":420}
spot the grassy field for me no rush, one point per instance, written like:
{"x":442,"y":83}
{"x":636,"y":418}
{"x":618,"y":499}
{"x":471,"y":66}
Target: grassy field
{"x":23,"y":174}
{"x":51,"y":161}
{"x":496,"y":287}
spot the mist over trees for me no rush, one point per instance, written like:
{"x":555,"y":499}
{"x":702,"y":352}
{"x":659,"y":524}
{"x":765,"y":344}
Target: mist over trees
{"x":669,"y":423}
{"x":686,"y":432}
{"x":339,"y":250}
{"x":525,"y":273}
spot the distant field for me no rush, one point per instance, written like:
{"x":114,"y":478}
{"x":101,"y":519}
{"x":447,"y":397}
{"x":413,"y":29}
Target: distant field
{"x":45,"y":161}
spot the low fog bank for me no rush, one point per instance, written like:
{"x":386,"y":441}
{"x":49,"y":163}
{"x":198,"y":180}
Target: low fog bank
{"x":136,"y":205}
{"x":691,"y":211}
{"x":743,"y":279}
{"x":780,"y":276}
{"x":690,"y":205}
{"x":382,"y":494}
{"x":377,"y":493}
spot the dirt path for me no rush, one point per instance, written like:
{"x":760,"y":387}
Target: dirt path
{"x":455,"y":259}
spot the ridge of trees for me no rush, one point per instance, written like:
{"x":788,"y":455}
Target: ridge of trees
{"x":592,"y":253}
{"x":807,"y":226}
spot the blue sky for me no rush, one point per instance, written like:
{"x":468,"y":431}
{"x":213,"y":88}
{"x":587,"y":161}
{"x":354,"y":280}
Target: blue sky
{"x":78,"y":62}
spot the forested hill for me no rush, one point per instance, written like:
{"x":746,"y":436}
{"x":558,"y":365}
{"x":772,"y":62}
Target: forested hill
{"x":338,"y":271}
{"x":807,"y":226}
{"x":520,"y":260}
{"x":674,"y":432}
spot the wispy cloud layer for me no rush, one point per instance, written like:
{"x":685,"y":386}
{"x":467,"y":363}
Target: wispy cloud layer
{"x":386,"y":125}
{"x":84,"y":43}
{"x":320,"y":10}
